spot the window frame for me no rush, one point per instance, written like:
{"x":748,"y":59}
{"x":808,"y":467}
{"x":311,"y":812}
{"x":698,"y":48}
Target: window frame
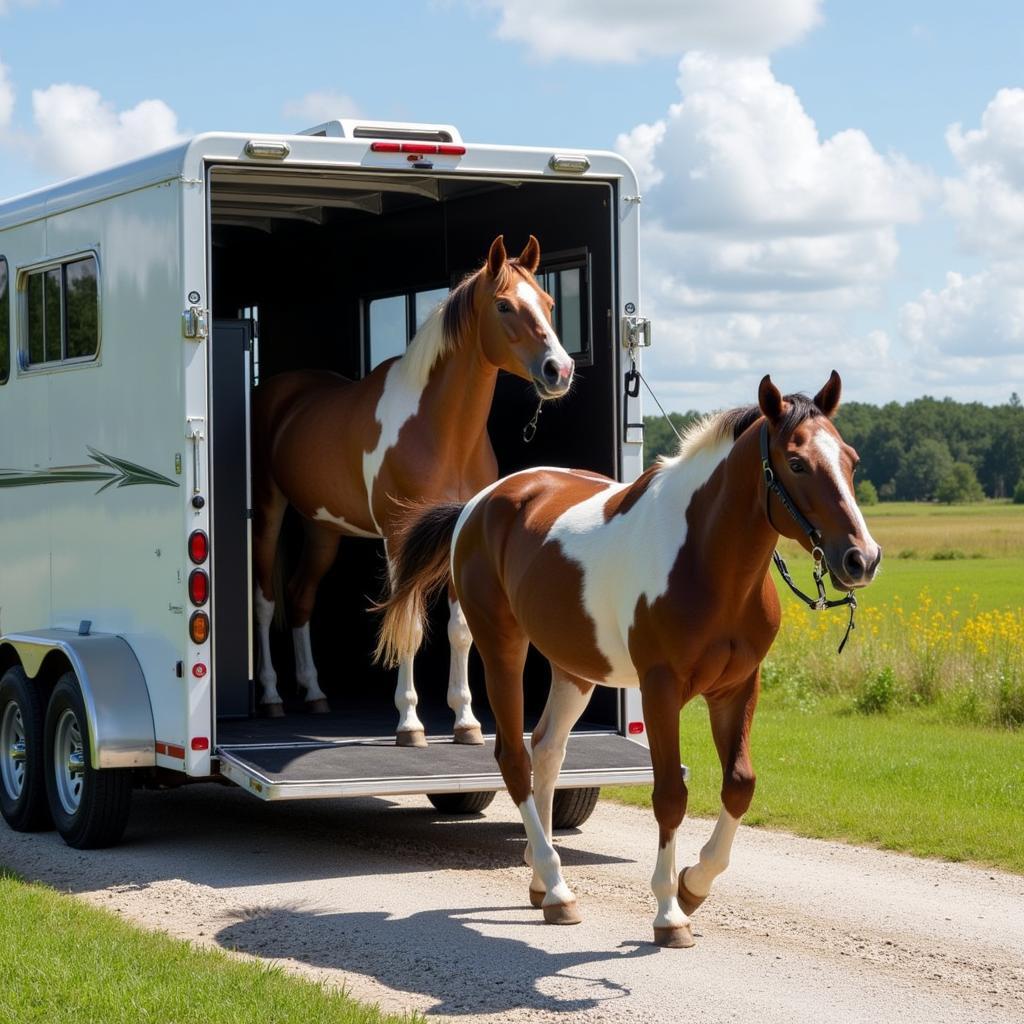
{"x":5,"y":370}
{"x":21,"y":333}
{"x":565,"y":259}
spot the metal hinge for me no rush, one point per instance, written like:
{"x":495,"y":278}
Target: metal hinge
{"x":194,"y":323}
{"x":636,"y":332}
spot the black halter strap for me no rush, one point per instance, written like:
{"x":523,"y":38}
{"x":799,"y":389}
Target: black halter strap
{"x":773,"y":486}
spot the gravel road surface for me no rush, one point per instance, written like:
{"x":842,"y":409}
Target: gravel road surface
{"x":414,"y":911}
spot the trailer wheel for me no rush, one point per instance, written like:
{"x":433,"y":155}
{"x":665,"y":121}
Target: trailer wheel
{"x":89,"y":805}
{"x":22,"y":784}
{"x":461,"y":803}
{"x":572,"y":807}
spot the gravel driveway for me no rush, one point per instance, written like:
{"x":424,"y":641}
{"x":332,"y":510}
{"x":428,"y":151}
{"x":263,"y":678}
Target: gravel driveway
{"x":413,"y":911}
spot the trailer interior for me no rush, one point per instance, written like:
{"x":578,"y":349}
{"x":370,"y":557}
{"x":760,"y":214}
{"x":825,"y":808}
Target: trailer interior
{"x":335,"y":270}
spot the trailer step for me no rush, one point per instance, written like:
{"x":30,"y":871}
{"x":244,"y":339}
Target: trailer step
{"x":376,"y":767}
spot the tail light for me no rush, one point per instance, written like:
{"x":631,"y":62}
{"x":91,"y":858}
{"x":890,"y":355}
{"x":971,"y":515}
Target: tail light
{"x":199,"y":627}
{"x":198,"y":587}
{"x":198,"y":547}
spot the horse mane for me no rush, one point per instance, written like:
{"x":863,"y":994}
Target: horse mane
{"x":711,"y":430}
{"x":453,"y":319}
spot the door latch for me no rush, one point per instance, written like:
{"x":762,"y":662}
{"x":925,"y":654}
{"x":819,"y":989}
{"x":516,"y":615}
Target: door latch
{"x":636,"y":332}
{"x":194,"y":323}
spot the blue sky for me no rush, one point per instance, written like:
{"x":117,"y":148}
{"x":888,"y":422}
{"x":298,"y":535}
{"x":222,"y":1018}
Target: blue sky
{"x":803,"y":205}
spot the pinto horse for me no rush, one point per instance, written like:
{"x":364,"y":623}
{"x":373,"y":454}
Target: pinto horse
{"x":349,"y":455}
{"x":663,"y":584}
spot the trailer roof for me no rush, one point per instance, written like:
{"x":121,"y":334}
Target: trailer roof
{"x":186,"y":162}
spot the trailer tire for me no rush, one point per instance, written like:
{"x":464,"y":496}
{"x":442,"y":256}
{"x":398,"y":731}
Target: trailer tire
{"x":572,"y":807}
{"x":23,"y":802}
{"x":462,"y":803}
{"x":89,"y":805}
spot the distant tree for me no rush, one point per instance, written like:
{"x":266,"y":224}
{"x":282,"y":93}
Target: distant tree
{"x":1018,"y":493}
{"x":927,"y":464}
{"x":659,"y":438}
{"x":865,"y":493}
{"x":960,"y":485}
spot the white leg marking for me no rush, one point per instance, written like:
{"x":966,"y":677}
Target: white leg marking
{"x":663,"y":885}
{"x":714,"y":856}
{"x":545,"y":860}
{"x":405,"y":695}
{"x":564,"y":706}
{"x":459,"y":697}
{"x":267,"y":675}
{"x":305,"y":669}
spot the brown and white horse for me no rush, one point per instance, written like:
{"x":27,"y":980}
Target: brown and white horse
{"x":663,"y":584}
{"x":349,"y":455}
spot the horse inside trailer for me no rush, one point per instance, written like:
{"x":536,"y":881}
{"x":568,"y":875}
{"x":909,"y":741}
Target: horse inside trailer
{"x":337,"y":273}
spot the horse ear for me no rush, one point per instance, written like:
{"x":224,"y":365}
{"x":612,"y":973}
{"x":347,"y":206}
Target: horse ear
{"x":529,"y":258}
{"x":770,"y":399}
{"x":827,"y":399}
{"x":497,"y":256}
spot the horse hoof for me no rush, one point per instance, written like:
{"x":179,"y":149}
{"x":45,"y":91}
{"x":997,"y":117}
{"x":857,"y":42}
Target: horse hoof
{"x":318,"y":706}
{"x":561,"y":913}
{"x":471,"y":735}
{"x":272,"y":710}
{"x":687,"y":900}
{"x":678,"y":937}
{"x":537,"y":898}
{"x":411,"y":738}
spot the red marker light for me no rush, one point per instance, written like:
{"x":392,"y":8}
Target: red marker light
{"x":200,"y":743}
{"x":198,"y":587}
{"x":423,"y":148}
{"x":635,"y":728}
{"x":198,"y":547}
{"x":199,"y":670}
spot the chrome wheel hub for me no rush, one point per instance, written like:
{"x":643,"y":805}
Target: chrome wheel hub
{"x":68,"y":761}
{"x":12,"y":750}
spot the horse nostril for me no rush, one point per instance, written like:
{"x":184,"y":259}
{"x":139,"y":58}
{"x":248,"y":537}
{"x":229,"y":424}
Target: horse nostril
{"x":854,"y":564}
{"x":550,"y":371}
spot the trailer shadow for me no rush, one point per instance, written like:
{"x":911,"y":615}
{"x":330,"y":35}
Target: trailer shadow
{"x":451,"y":956}
{"x":225,"y":839}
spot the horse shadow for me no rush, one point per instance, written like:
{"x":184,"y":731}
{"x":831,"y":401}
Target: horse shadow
{"x":446,"y":955}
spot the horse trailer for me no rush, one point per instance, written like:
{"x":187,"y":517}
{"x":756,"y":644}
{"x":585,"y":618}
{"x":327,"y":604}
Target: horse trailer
{"x":140,"y":308}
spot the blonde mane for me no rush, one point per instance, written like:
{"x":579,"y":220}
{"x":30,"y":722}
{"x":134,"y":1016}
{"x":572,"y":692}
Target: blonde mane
{"x":430,"y":344}
{"x":710,"y":431}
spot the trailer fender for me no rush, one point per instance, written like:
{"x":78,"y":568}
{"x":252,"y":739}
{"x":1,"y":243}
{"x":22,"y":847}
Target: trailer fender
{"x":121,"y":730}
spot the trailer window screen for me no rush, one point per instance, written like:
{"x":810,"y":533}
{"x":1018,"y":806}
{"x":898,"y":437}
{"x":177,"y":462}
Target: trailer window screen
{"x":62,"y":312}
{"x":5,"y":324}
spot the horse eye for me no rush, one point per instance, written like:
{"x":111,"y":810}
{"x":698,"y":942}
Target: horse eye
{"x":796,"y":465}
{"x":503,"y":306}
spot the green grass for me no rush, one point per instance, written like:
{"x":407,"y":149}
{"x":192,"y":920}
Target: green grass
{"x":64,"y":962}
{"x":903,"y":782}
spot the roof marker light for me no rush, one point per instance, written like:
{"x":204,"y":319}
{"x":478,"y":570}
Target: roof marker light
{"x":425,"y":148}
{"x":573,"y":163}
{"x":267,"y":149}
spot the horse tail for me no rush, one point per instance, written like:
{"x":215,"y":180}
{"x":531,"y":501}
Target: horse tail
{"x":420,"y":557}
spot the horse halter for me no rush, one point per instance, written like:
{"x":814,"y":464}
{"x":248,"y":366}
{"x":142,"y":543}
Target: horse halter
{"x":772,"y":485}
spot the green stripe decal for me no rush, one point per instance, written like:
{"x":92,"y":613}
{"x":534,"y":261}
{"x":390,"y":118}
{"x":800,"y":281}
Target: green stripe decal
{"x":117,"y":473}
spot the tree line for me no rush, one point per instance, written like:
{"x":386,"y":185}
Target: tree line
{"x":925,"y":450}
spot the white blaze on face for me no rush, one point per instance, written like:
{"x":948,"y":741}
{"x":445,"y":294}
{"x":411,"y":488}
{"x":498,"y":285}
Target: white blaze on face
{"x":529,"y":296}
{"x":828,"y":448}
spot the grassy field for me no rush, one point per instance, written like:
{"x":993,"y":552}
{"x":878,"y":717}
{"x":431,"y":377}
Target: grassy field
{"x":912,"y":738}
{"x":64,"y":962}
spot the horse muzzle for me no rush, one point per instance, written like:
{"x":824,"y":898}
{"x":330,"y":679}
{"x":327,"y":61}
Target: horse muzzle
{"x":553,"y":378}
{"x":857,"y":568}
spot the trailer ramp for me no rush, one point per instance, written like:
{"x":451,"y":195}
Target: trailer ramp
{"x":312,"y":769}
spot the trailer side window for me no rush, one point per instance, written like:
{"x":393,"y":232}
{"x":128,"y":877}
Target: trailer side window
{"x":393,"y":320}
{"x":5,"y":324}
{"x":62,"y":313}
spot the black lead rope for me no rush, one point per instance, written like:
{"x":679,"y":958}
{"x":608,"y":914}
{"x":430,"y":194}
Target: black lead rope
{"x":822,"y":602}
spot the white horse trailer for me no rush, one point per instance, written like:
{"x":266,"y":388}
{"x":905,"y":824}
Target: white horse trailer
{"x":139,"y":308}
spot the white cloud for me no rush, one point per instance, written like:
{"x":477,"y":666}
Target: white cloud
{"x":987,"y":201}
{"x":317,"y":107}
{"x":6,"y":97}
{"x":77,"y":131}
{"x":609,"y":30}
